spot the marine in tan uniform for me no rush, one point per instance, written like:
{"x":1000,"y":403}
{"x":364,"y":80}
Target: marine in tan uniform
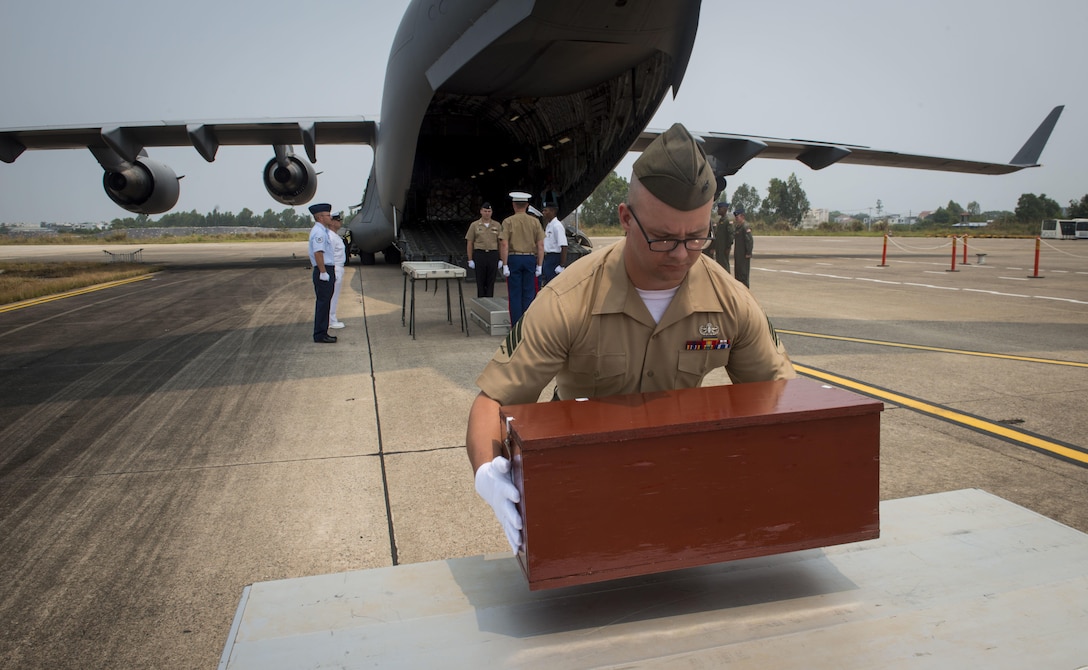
{"x":521,"y":249}
{"x":482,"y":247}
{"x":648,"y":313}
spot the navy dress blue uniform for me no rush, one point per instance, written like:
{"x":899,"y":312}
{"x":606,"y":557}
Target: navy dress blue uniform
{"x":324,"y":271}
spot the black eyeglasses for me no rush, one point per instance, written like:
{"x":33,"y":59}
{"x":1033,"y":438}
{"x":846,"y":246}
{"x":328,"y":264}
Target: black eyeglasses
{"x":690,"y":243}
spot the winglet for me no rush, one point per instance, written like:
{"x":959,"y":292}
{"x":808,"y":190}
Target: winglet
{"x":10,"y":148}
{"x":1028,"y":156}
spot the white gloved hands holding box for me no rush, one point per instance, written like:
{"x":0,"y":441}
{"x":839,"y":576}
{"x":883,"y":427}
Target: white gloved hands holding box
{"x":494,"y":484}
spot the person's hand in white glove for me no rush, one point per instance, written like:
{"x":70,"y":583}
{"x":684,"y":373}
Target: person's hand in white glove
{"x":324,"y":276}
{"x":505,"y":270}
{"x":558,"y":269}
{"x":472,"y":265}
{"x":495,"y":486}
{"x":539,"y":270}
{"x":500,"y":265}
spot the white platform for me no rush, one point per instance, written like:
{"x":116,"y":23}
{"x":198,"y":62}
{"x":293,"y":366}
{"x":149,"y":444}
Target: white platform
{"x":491,"y":314}
{"x":957,"y":580}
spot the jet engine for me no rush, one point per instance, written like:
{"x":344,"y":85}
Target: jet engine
{"x":290,"y":180}
{"x":143,"y":187}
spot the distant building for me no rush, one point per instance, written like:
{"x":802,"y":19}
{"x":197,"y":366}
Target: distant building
{"x":814,"y":217}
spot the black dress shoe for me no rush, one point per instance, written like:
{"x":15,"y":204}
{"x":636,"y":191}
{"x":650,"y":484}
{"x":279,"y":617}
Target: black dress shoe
{"x":327,"y":339}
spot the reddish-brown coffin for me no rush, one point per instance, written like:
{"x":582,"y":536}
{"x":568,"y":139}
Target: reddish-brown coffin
{"x":648,"y":482}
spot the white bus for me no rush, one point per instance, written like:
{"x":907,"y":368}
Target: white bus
{"x":1065,"y":229}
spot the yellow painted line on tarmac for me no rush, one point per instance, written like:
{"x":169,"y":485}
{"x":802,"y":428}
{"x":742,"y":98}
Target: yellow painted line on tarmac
{"x":1062,"y":450}
{"x":920,"y":347}
{"x":69,"y":294}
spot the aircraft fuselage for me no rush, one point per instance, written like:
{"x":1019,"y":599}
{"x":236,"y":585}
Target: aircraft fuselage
{"x":485,"y":97}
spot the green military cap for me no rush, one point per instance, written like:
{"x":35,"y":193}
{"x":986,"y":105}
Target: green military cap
{"x":675,"y":169}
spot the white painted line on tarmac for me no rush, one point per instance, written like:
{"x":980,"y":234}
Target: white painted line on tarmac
{"x":943,"y":288}
{"x":932,"y":286}
{"x":1047,"y":297}
{"x":1009,"y":295}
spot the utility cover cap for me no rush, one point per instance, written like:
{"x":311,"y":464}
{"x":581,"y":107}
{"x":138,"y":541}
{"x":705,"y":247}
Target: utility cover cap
{"x":674,"y":168}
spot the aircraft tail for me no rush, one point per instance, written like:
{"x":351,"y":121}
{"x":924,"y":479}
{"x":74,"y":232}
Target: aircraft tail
{"x":1028,"y":156}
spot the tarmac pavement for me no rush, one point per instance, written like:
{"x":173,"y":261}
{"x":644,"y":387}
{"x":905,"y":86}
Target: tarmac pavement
{"x":167,"y":442}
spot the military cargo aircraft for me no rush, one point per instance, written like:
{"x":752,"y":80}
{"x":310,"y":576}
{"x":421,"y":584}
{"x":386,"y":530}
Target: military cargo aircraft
{"x":480,"y":97}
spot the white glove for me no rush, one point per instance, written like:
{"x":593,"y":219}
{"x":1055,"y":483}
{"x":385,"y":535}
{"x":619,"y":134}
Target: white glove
{"x":495,"y":486}
{"x":505,"y":270}
{"x":472,"y":265}
{"x":539,"y":270}
{"x":558,"y":269}
{"x":324,"y":276}
{"x":500,"y":264}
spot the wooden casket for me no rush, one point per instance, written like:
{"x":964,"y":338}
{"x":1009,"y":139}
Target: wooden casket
{"x":643,"y":483}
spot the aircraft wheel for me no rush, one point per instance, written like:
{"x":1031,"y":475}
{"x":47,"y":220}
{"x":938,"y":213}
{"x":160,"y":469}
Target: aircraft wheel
{"x":392,"y":255}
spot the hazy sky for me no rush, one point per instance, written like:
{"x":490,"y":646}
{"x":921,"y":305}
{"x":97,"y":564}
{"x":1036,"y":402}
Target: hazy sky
{"x":957,"y":78}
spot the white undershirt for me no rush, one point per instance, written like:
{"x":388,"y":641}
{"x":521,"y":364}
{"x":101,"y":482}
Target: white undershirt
{"x":657,"y":301}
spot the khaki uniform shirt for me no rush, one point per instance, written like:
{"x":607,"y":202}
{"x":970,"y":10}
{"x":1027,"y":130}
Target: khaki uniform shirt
{"x":484,"y":236}
{"x":522,"y":231}
{"x":589,"y":329}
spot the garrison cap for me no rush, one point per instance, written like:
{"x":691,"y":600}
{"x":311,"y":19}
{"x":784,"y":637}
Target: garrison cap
{"x":723,"y":204}
{"x":549,"y":203}
{"x":320,"y":207}
{"x":675,"y":170}
{"x":519,"y":196}
{"x":738,"y":211}
{"x":486,"y":205}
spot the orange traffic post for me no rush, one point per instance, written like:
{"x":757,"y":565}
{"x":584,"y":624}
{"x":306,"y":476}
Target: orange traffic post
{"x":884,"y":255}
{"x":1036,"y":275}
{"x":953,"y":269}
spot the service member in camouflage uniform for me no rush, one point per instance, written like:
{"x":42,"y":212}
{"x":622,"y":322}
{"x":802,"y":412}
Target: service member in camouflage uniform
{"x":743,"y":255}
{"x":723,"y":236}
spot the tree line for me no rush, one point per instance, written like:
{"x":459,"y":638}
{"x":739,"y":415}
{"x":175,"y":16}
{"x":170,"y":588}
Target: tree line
{"x":786,"y":204}
{"x":287,"y":218}
{"x":786,"y":201}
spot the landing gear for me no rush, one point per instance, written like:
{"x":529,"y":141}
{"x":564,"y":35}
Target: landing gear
{"x":392,"y":255}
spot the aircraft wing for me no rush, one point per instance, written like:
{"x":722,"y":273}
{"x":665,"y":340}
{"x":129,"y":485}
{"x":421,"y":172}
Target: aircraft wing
{"x":136,"y":182}
{"x":129,"y":140}
{"x":731,"y":152}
